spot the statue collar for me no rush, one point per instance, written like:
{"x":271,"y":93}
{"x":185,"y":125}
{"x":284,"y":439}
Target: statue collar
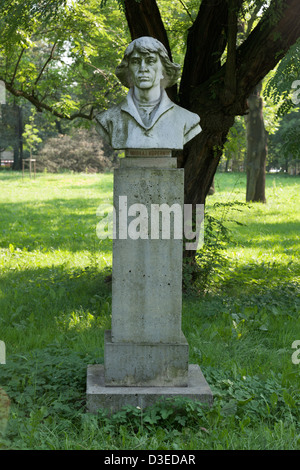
{"x":129,"y":107}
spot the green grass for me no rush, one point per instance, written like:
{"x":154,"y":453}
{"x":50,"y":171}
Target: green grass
{"x":55,"y":306}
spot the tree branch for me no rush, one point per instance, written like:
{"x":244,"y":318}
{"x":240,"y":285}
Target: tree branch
{"x":267,"y":44}
{"x":46,"y":63}
{"x":144,"y":19}
{"x":206,"y":43}
{"x":40,"y":106}
{"x":186,"y":9}
{"x":17,"y":65}
{"x":252,"y":19}
{"x":230,"y":67}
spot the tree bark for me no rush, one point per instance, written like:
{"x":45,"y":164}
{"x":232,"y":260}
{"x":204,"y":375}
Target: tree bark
{"x":256,"y":148}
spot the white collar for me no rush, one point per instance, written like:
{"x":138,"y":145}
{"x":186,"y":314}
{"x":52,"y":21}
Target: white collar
{"x":130,"y":108}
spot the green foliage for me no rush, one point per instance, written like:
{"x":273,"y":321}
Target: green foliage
{"x":80,"y":152}
{"x":30,"y":136}
{"x":284,"y":144}
{"x":279,"y":87}
{"x":235,"y":147}
{"x":8,"y":126}
{"x":47,"y":390}
{"x":211,"y":261}
{"x":54,"y":59}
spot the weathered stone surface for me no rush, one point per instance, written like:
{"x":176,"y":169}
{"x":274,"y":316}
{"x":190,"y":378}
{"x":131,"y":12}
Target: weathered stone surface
{"x":156,"y":364}
{"x":146,"y":278}
{"x":112,"y":399}
{"x":145,"y":351}
{"x":142,"y":162}
{"x":122,"y":127}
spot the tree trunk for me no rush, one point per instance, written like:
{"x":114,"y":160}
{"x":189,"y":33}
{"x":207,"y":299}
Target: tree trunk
{"x":256,"y":148}
{"x":16,"y":111}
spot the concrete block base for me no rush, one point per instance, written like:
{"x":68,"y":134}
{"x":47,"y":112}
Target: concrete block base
{"x":112,"y":399}
{"x":145,"y":365}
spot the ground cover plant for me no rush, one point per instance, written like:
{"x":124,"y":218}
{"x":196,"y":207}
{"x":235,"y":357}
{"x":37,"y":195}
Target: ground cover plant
{"x":241,"y":323}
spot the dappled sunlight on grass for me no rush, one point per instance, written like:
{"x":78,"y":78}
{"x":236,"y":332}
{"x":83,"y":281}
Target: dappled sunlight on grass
{"x":265,"y":246}
{"x":52,"y":214}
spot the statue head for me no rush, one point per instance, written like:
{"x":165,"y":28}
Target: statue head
{"x":148,"y":46}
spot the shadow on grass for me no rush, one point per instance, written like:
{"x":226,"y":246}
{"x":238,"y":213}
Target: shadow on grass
{"x":52,"y":224}
{"x":269,"y":234}
{"x":49,"y":300}
{"x":230,"y":181}
{"x":10,"y":175}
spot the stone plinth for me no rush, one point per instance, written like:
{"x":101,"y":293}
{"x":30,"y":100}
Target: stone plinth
{"x":112,"y":399}
{"x":140,"y":364}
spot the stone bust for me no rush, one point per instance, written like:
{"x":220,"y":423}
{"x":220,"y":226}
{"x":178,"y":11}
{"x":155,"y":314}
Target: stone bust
{"x":147,"y":118}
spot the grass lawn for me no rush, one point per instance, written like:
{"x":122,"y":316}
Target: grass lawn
{"x":55,"y":305}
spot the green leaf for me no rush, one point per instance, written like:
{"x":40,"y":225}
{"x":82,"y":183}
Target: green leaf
{"x":229,"y":408}
{"x":288,"y":399}
{"x":274,"y":399}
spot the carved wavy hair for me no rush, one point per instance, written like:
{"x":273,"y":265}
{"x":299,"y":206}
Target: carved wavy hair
{"x":146,"y":45}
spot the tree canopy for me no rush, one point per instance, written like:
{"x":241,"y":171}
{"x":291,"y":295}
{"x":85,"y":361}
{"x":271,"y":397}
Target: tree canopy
{"x":58,"y":54}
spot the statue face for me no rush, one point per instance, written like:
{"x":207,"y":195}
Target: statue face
{"x":146,"y":70}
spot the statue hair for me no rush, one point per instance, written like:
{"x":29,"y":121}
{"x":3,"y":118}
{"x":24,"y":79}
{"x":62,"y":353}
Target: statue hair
{"x":146,"y":45}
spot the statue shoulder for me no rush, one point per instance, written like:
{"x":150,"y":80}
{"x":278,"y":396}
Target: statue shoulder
{"x":105,"y":119}
{"x":107,"y":115}
{"x":188,"y":116}
{"x":190,"y":122}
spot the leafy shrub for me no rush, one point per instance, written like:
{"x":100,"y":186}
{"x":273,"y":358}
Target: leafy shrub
{"x":82,"y":151}
{"x":211,"y":260}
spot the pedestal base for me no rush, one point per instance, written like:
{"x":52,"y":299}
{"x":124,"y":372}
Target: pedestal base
{"x":145,"y":365}
{"x":113,"y":399}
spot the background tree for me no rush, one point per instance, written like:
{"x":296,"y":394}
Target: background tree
{"x":284,"y":144}
{"x":257,"y":148}
{"x":234,"y":153}
{"x":11,"y":128}
{"x":30,"y":136}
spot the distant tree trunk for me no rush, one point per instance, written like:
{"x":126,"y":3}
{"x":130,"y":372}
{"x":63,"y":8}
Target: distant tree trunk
{"x":212,"y":190}
{"x":58,"y":126}
{"x":256,"y":148}
{"x":21,"y":129}
{"x":227,"y":164}
{"x":18,"y":140}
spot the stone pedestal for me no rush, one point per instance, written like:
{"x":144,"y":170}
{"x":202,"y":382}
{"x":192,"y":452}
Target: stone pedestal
{"x":112,"y":399}
{"x":146,"y":353}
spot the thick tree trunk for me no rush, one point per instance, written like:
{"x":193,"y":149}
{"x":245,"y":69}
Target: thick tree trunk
{"x":256,"y":148}
{"x":17,"y":139}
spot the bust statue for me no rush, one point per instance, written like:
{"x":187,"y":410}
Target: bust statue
{"x":147,"y":118}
